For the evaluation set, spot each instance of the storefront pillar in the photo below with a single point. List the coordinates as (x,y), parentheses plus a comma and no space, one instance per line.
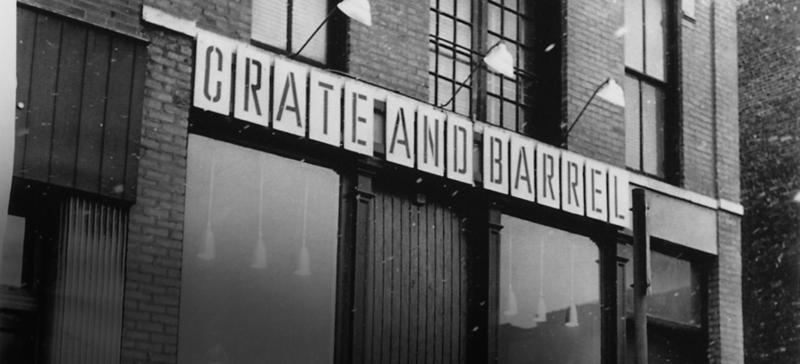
(362,197)
(8,62)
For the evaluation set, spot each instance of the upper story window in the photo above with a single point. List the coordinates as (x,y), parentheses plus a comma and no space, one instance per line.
(646,85)
(287,24)
(456,30)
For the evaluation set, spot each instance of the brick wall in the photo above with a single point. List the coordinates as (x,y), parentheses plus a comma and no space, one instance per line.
(769,105)
(153,269)
(119,15)
(594,53)
(393,53)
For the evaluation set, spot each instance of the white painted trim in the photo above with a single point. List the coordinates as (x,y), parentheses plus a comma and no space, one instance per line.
(158,17)
(686,195)
(732,207)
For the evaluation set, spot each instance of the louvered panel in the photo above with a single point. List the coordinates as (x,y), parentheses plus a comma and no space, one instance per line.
(87,303)
(415,309)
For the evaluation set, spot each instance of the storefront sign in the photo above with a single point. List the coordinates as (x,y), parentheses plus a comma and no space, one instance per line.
(331,109)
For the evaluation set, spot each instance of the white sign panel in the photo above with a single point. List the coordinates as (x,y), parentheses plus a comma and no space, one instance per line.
(400,131)
(289,97)
(325,108)
(251,95)
(459,149)
(548,175)
(522,168)
(359,118)
(495,159)
(212,75)
(572,192)
(430,140)
(596,190)
(619,198)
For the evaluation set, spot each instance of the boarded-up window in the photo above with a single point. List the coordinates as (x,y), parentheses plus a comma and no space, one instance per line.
(79,99)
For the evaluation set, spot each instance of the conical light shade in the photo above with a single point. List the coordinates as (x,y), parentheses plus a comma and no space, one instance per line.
(260,255)
(612,93)
(572,316)
(541,311)
(303,263)
(500,60)
(357,10)
(511,309)
(209,247)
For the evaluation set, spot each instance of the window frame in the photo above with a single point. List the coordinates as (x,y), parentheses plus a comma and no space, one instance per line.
(478,86)
(700,261)
(601,234)
(671,86)
(334,26)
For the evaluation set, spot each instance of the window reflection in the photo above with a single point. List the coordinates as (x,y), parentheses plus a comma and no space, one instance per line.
(259,258)
(549,295)
(675,291)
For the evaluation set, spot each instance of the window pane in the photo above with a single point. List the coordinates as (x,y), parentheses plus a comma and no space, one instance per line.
(432,89)
(652,130)
(445,62)
(445,92)
(447,7)
(675,289)
(510,25)
(431,58)
(509,115)
(511,4)
(462,101)
(462,69)
(509,89)
(432,22)
(654,42)
(11,252)
(269,22)
(633,36)
(259,258)
(493,83)
(464,35)
(549,295)
(464,10)
(446,30)
(494,19)
(492,110)
(632,123)
(303,25)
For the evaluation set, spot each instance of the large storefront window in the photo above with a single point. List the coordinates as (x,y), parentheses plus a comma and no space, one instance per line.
(259,258)
(549,295)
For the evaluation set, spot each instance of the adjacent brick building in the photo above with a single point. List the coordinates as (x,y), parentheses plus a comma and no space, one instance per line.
(769,109)
(191,188)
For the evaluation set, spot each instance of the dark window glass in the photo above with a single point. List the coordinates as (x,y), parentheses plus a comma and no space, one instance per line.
(675,291)
(259,258)
(549,295)
(451,45)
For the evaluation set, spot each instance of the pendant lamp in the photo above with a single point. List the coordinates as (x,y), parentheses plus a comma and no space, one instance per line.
(209,251)
(303,259)
(541,307)
(511,308)
(260,252)
(572,312)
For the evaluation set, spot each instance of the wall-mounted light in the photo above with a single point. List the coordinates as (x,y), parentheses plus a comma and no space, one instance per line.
(610,91)
(498,59)
(358,10)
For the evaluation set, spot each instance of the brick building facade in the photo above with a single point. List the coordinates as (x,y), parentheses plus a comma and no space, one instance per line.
(426,266)
(768,110)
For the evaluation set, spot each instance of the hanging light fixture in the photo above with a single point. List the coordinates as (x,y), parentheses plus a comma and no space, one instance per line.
(209,251)
(572,312)
(498,59)
(358,10)
(511,308)
(303,260)
(541,308)
(260,253)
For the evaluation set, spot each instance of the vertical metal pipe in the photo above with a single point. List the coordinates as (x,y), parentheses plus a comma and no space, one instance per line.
(641,249)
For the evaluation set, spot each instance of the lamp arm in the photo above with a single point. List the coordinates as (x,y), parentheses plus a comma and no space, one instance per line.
(313,34)
(587,105)
(460,86)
